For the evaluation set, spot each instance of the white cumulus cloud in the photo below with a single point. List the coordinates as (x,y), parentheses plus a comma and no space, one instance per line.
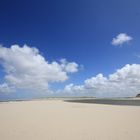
(4,88)
(69,66)
(121,39)
(26,68)
(124,82)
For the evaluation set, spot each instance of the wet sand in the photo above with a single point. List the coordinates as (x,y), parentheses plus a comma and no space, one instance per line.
(59,120)
(127,101)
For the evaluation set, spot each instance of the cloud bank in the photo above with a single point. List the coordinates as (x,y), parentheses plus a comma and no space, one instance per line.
(25,68)
(124,82)
(120,39)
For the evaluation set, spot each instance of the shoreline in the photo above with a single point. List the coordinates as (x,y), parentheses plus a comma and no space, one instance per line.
(127,101)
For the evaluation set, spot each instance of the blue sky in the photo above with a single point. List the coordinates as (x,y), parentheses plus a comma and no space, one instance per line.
(80,31)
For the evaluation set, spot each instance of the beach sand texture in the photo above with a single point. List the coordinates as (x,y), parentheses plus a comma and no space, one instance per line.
(59,120)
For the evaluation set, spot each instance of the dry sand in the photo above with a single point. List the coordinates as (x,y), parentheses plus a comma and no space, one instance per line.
(58,120)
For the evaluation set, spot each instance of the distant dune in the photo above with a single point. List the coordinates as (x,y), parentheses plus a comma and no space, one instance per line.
(138,95)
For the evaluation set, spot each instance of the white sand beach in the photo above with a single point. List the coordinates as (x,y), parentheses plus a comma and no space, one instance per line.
(59,120)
